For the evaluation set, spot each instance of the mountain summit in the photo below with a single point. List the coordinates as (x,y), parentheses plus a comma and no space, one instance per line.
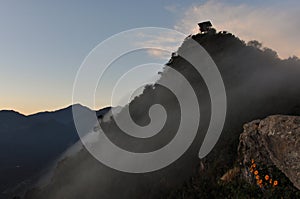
(258,83)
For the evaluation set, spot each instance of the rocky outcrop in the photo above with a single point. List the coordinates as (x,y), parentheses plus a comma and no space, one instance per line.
(272,141)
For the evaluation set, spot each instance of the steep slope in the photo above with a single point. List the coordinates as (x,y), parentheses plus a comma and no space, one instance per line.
(258,84)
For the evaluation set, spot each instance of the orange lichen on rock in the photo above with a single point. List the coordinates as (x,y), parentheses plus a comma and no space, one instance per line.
(267,177)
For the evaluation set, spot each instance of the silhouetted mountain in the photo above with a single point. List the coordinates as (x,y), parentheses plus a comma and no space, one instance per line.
(63,115)
(102,112)
(29,144)
(10,119)
(258,84)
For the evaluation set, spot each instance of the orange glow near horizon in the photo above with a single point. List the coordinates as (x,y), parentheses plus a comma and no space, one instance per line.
(29,107)
(32,110)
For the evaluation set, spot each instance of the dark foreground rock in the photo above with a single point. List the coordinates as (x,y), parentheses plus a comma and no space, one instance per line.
(267,164)
(272,141)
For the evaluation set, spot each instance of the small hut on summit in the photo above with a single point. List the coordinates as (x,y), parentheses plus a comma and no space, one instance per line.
(205,26)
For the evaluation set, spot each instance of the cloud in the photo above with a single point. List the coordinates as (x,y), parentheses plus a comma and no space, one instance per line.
(159,54)
(160,44)
(276,26)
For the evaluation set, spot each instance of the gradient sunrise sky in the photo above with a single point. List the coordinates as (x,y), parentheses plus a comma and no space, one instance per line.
(44,43)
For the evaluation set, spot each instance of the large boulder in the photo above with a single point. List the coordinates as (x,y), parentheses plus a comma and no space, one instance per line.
(272,141)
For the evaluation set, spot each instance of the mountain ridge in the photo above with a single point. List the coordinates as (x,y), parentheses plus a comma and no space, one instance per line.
(39,139)
(47,111)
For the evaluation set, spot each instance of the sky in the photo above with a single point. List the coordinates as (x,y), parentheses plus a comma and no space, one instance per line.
(43,43)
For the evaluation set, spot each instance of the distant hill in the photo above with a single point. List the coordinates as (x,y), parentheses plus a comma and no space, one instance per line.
(28,144)
(10,119)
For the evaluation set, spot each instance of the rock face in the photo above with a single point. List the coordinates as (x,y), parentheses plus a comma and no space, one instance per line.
(273,141)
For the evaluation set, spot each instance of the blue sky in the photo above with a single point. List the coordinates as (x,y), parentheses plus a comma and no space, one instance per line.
(42,44)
